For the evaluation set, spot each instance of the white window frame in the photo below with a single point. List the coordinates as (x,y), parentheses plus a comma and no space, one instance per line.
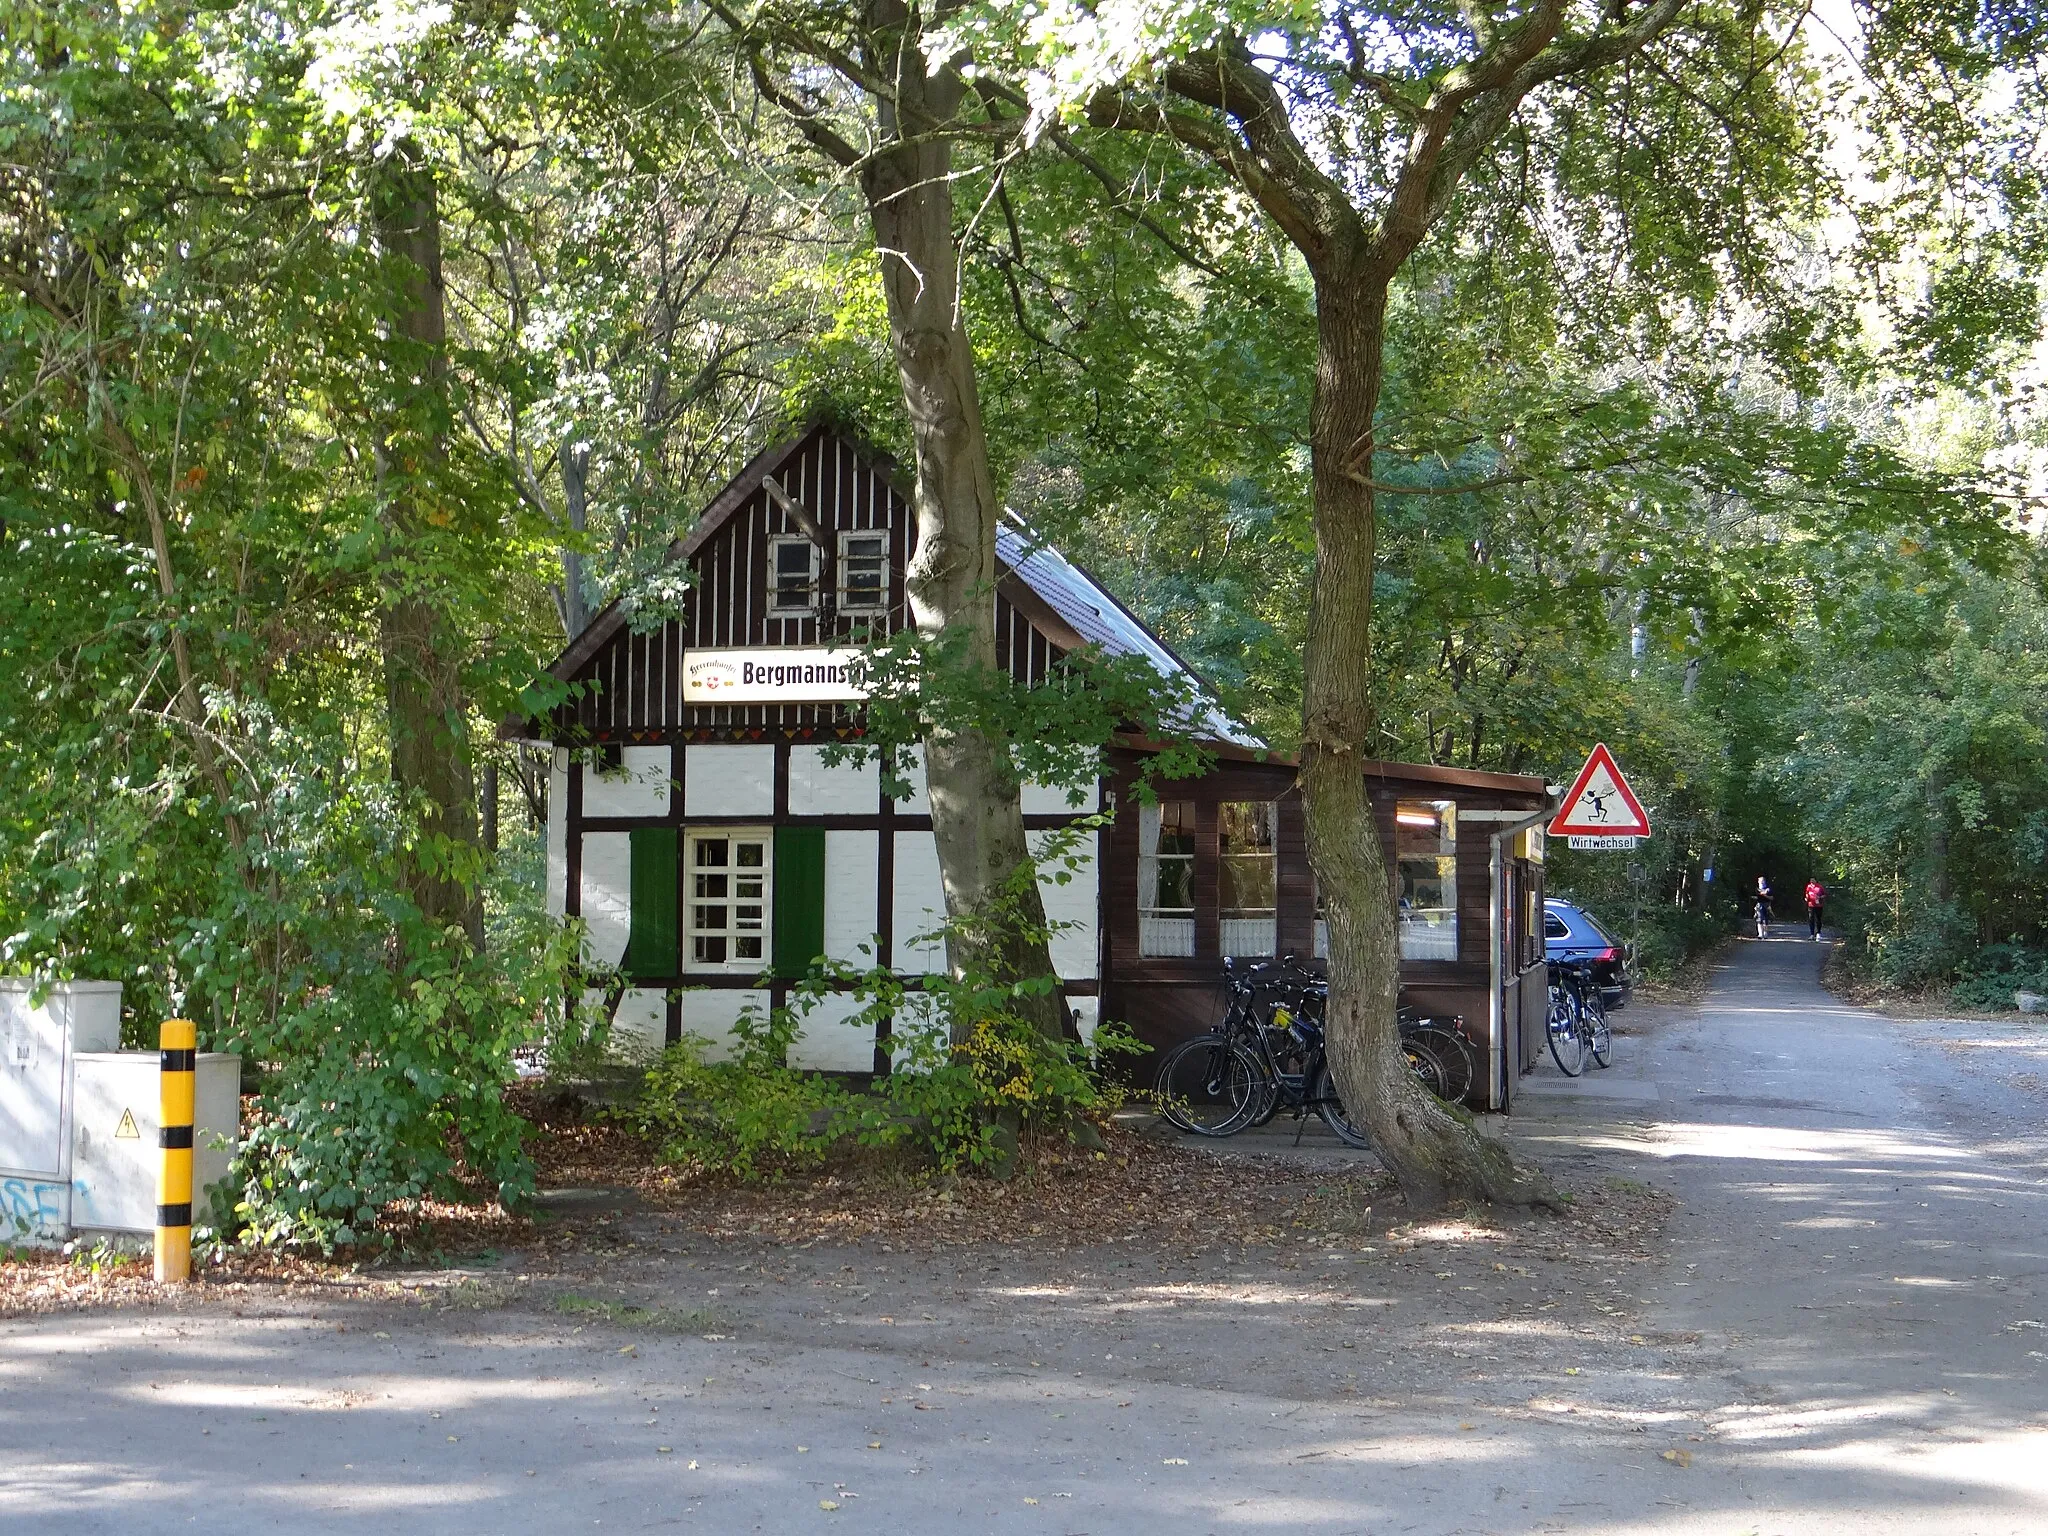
(735,926)
(847,603)
(1163,932)
(776,608)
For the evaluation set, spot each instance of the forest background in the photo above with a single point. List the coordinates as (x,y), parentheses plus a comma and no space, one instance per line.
(1742,477)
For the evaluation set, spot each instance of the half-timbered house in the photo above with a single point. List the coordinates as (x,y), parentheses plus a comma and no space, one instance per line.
(713,853)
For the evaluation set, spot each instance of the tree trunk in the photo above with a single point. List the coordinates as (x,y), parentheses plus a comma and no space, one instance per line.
(977,815)
(424,701)
(575,497)
(1433,1151)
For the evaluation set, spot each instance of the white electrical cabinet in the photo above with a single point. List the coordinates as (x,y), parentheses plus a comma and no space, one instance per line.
(39,1038)
(114,1157)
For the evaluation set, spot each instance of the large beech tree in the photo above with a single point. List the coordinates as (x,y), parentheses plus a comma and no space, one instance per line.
(1359,131)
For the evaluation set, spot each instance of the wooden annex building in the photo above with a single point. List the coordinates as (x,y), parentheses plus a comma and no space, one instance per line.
(712,853)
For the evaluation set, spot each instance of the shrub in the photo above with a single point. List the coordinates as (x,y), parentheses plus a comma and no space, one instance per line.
(968,1069)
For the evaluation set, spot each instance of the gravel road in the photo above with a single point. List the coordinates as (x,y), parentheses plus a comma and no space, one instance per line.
(1842,1331)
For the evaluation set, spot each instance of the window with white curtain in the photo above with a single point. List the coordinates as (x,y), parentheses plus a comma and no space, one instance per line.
(1248,852)
(1166,878)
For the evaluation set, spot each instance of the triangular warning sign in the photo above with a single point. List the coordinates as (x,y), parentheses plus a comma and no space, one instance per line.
(1600,803)
(126,1131)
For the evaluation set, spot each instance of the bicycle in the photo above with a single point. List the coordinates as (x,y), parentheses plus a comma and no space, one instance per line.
(1577,1019)
(1258,1061)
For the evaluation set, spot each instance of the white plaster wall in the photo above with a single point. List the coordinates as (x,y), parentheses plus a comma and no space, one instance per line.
(910,765)
(640,1027)
(1087,1013)
(607,895)
(710,1014)
(919,903)
(1046,800)
(724,780)
(640,787)
(558,834)
(830,1040)
(851,862)
(818,789)
(1074,949)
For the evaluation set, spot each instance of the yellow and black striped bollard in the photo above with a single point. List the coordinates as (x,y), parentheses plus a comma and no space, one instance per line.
(176,1096)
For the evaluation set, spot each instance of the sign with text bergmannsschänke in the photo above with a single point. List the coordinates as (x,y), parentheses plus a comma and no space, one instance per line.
(779,674)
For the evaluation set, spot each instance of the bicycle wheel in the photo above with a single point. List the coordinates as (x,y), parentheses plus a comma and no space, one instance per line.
(1426,1064)
(1461,1067)
(1600,1039)
(1567,1043)
(1323,1095)
(1211,1086)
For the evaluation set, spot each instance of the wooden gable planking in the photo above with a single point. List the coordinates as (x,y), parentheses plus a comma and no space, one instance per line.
(633,683)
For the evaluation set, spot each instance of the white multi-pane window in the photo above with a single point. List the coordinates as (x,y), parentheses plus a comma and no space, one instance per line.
(1426,859)
(1248,851)
(1166,878)
(792,575)
(728,906)
(864,571)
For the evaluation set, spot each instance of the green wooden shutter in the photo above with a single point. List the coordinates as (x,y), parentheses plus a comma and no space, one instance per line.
(799,899)
(651,951)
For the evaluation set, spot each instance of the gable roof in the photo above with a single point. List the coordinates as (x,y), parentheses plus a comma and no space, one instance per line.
(1063,601)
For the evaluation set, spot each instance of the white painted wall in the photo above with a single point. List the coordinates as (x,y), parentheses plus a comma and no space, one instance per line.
(558,834)
(829,1040)
(1074,949)
(728,780)
(640,1027)
(910,765)
(851,861)
(1045,800)
(640,787)
(607,895)
(711,1013)
(919,904)
(816,789)
(1087,1013)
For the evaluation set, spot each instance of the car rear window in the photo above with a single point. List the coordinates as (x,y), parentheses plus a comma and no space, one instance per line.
(1554,928)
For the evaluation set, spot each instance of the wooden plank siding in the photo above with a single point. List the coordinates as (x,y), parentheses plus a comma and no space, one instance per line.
(631,689)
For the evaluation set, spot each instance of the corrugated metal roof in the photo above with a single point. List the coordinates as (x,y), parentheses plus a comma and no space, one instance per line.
(1099,618)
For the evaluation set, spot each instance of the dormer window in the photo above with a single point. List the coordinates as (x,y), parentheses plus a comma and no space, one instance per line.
(864,571)
(792,575)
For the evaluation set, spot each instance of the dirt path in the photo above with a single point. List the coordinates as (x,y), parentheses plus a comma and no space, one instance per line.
(1814,1350)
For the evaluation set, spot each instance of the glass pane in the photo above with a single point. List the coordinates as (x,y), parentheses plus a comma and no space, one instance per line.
(1248,826)
(793,573)
(711,851)
(711,887)
(753,856)
(746,948)
(708,951)
(707,917)
(1247,838)
(1166,878)
(1426,853)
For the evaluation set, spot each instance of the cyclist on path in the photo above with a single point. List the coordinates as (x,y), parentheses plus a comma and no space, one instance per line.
(1816,898)
(1763,906)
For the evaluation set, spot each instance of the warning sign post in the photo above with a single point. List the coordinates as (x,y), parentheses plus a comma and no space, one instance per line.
(1600,810)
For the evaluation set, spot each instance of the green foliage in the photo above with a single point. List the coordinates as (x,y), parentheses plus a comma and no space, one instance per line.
(966,1064)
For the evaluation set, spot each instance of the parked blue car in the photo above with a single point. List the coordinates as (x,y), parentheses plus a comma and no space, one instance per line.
(1570,933)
